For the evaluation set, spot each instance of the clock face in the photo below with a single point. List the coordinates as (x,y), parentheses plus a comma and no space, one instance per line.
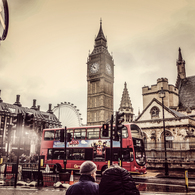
(108,68)
(4,19)
(94,68)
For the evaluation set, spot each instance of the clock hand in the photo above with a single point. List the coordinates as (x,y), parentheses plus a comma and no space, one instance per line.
(1,19)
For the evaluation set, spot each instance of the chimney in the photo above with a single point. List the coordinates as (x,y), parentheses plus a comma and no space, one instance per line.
(50,110)
(34,104)
(17,103)
(38,107)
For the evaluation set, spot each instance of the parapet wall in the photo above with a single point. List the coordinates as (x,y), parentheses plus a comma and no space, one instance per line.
(171,93)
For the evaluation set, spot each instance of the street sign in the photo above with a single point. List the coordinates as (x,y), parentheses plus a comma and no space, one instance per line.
(169,138)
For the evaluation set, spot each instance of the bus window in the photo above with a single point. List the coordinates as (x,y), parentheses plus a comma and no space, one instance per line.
(70,131)
(127,154)
(135,131)
(89,154)
(93,133)
(124,132)
(131,155)
(79,133)
(78,154)
(57,135)
(49,154)
(58,154)
(115,154)
(49,135)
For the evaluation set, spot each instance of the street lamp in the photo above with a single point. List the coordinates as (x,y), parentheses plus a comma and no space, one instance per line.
(162,95)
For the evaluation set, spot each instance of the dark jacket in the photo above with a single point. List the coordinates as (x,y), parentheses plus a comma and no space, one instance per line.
(85,186)
(117,181)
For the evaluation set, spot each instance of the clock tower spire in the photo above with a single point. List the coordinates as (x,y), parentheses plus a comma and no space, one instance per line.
(100,80)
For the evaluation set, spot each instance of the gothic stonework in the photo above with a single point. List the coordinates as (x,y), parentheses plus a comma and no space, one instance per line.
(126,106)
(179,114)
(100,79)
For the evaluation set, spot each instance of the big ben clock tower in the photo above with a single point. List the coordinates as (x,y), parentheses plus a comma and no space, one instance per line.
(100,79)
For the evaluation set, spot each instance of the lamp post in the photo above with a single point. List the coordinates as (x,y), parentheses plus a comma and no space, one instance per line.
(162,95)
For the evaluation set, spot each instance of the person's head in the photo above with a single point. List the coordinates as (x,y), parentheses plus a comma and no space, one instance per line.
(117,180)
(88,168)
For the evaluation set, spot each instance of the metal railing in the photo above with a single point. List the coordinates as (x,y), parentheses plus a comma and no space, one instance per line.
(29,174)
(170,145)
(184,151)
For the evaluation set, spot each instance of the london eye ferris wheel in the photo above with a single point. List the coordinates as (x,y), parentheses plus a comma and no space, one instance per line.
(68,114)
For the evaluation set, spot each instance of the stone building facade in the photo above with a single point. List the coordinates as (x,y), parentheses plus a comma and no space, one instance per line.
(30,138)
(179,118)
(100,80)
(171,93)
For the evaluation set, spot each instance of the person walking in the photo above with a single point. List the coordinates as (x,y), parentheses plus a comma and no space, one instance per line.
(86,184)
(117,180)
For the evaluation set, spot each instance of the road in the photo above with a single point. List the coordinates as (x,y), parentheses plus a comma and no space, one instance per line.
(149,184)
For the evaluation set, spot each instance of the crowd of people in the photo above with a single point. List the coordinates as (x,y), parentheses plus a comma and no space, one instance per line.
(115,181)
(29,159)
(23,158)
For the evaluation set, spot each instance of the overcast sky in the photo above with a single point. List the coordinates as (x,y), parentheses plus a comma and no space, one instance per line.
(45,53)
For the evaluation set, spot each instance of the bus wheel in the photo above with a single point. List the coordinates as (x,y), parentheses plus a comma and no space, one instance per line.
(57,168)
(103,169)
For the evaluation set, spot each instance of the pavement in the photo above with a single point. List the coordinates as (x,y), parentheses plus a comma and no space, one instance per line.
(146,187)
(172,174)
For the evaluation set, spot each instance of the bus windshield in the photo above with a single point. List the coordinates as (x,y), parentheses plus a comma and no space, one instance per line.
(135,131)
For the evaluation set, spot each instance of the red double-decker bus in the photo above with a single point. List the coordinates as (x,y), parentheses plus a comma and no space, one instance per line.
(88,143)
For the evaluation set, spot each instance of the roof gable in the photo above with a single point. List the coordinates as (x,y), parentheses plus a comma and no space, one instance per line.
(168,113)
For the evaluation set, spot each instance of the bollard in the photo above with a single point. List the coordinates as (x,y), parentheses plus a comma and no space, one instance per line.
(1,161)
(108,163)
(119,162)
(186,179)
(41,164)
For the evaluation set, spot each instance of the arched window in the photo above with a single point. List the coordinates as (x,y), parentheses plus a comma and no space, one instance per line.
(154,112)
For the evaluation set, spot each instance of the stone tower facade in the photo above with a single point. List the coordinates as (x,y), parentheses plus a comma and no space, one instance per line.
(171,93)
(100,80)
(126,106)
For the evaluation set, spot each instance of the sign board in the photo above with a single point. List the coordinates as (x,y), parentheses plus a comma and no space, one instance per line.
(169,138)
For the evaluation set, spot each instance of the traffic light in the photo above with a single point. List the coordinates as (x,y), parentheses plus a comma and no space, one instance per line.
(29,120)
(17,121)
(62,135)
(105,129)
(14,121)
(119,120)
(118,126)
(69,137)
(116,136)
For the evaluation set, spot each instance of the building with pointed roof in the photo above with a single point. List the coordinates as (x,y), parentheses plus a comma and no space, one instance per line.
(126,106)
(186,88)
(100,81)
(179,115)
